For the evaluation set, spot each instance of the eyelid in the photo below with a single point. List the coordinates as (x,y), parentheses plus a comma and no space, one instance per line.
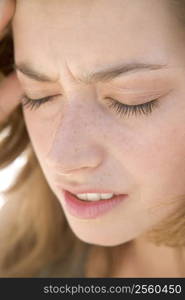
(136,98)
(139,85)
(159,80)
(139,91)
(40,98)
(130,91)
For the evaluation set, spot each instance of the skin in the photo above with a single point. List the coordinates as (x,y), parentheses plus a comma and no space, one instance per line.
(7,8)
(81,142)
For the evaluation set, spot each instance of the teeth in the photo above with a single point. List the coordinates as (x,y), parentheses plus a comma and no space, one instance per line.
(93,196)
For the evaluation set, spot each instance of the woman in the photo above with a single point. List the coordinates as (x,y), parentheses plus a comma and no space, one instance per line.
(101,119)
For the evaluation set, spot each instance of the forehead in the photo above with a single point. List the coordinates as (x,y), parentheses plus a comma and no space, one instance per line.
(91,32)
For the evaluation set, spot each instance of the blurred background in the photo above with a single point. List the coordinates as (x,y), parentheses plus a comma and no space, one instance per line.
(8,174)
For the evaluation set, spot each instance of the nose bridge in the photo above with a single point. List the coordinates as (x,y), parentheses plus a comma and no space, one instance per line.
(79,113)
(74,144)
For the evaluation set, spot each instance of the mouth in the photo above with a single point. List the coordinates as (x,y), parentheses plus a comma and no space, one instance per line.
(90,209)
(82,190)
(94,196)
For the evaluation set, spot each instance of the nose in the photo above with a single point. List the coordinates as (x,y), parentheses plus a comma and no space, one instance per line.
(76,145)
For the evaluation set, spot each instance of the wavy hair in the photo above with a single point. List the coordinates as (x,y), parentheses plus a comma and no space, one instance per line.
(35,238)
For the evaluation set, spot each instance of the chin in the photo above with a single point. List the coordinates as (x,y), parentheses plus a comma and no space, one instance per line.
(102,241)
(99,239)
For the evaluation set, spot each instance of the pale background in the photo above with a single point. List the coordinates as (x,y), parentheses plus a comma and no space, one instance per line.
(7,174)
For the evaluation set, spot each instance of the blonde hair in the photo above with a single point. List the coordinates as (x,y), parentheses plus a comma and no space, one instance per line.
(35,238)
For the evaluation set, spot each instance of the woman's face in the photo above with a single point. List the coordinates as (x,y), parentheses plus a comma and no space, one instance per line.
(84,141)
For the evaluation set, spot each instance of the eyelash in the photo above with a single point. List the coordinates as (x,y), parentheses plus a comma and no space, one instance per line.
(120,108)
(139,109)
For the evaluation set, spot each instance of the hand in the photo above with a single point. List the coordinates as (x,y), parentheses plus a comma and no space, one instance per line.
(10,89)
(7,9)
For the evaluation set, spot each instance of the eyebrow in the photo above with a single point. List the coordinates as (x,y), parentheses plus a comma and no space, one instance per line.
(93,77)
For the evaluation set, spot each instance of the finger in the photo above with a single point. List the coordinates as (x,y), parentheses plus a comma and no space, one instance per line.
(7,9)
(10,95)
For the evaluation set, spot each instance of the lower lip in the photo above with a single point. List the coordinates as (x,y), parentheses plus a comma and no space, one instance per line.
(90,210)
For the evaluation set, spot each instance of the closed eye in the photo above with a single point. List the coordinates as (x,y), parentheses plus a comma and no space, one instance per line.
(120,108)
(35,103)
(139,109)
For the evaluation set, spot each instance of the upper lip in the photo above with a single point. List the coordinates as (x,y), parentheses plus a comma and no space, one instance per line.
(90,190)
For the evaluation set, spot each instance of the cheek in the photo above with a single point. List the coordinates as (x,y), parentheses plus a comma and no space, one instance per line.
(41,132)
(157,159)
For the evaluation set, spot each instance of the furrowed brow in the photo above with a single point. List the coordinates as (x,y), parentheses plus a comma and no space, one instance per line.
(106,74)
